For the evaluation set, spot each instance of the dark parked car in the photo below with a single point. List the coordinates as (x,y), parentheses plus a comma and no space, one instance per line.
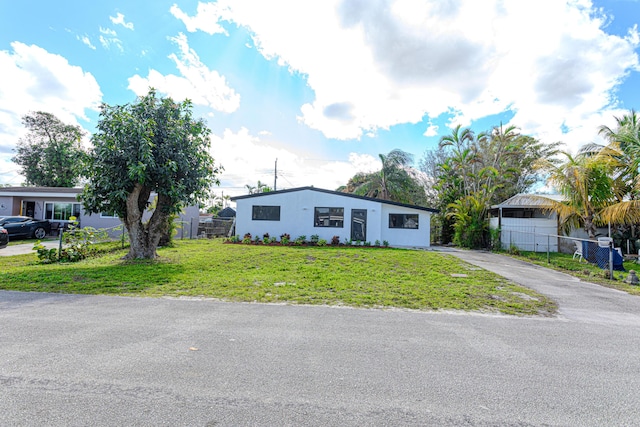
(4,237)
(25,226)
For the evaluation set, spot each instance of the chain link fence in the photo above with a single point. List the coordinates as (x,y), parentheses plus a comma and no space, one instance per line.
(602,251)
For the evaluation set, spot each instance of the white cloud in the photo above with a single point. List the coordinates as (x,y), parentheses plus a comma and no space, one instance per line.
(196,82)
(108,37)
(206,18)
(36,80)
(374,64)
(248,158)
(363,163)
(119,20)
(432,130)
(108,32)
(87,41)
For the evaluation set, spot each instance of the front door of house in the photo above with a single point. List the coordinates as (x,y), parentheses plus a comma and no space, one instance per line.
(359,225)
(28,208)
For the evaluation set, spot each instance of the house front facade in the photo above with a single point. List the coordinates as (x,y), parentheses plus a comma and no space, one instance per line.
(308,211)
(58,205)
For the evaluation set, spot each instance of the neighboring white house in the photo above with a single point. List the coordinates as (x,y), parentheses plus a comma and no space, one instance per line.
(308,211)
(57,204)
(524,224)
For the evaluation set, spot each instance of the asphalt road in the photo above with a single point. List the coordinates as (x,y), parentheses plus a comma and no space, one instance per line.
(69,360)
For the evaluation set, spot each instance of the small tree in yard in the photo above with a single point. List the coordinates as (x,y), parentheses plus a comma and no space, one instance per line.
(151,146)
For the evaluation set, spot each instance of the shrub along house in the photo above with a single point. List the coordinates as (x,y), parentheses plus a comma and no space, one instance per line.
(308,211)
(58,204)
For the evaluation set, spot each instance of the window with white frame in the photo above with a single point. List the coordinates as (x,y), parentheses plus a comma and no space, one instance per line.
(328,217)
(61,211)
(403,221)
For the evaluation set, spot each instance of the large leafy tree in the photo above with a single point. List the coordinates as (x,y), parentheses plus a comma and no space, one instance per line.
(153,145)
(51,154)
(395,181)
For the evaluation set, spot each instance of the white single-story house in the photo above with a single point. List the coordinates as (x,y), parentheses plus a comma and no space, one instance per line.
(308,211)
(58,204)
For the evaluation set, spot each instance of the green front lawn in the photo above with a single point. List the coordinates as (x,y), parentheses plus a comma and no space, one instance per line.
(359,277)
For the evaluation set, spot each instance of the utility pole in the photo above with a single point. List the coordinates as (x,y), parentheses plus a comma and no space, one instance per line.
(275,176)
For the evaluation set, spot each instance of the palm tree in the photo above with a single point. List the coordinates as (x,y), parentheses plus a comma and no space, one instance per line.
(469,215)
(587,186)
(392,182)
(261,187)
(626,135)
(624,150)
(463,150)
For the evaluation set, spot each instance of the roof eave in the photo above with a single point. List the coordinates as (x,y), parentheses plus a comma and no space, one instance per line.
(337,193)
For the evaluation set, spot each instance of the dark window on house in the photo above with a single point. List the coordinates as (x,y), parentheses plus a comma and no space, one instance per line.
(265,213)
(517,213)
(328,217)
(403,221)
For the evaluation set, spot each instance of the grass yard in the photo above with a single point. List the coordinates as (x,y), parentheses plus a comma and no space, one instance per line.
(583,270)
(358,277)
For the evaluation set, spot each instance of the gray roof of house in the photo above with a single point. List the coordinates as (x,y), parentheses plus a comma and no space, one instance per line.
(529,201)
(41,190)
(60,192)
(336,193)
(227,213)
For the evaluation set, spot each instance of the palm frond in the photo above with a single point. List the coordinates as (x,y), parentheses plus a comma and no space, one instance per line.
(626,212)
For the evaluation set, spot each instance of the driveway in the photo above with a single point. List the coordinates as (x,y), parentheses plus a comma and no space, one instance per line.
(26,247)
(97,360)
(577,300)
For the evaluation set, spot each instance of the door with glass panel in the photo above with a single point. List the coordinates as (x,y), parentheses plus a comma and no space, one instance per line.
(359,225)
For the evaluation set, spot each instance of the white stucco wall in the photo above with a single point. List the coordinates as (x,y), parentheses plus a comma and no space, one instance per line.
(6,206)
(297,210)
(528,234)
(406,237)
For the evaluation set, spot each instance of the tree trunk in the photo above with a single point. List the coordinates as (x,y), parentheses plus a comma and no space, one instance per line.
(144,237)
(590,227)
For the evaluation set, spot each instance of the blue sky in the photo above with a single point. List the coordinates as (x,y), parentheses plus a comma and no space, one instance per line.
(324,86)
